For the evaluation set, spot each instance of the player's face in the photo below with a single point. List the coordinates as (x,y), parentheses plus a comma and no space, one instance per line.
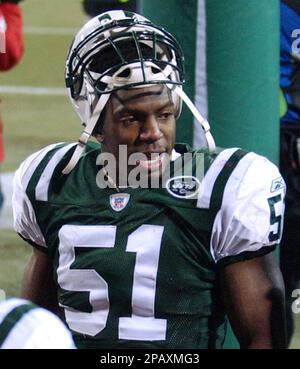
(142,119)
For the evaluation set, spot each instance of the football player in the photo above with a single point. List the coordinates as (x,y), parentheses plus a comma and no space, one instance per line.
(24,325)
(138,267)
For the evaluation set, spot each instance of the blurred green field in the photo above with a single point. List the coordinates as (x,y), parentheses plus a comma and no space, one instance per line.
(54,13)
(33,121)
(14,255)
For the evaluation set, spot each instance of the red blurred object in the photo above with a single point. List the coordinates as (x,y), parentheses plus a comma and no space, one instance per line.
(11,16)
(14,42)
(1,140)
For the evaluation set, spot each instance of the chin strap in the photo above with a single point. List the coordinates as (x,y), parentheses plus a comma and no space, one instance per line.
(86,134)
(203,122)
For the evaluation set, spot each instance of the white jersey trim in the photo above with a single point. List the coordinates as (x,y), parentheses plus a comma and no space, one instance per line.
(210,177)
(29,166)
(23,213)
(41,190)
(243,222)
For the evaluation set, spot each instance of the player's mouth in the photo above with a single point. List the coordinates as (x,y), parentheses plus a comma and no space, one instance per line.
(153,161)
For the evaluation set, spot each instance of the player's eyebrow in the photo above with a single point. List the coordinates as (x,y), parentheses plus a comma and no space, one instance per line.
(123,109)
(137,96)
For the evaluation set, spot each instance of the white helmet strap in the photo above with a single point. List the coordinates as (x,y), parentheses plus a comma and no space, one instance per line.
(86,134)
(203,122)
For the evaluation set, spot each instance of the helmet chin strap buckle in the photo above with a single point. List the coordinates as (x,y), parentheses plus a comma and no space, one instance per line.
(83,139)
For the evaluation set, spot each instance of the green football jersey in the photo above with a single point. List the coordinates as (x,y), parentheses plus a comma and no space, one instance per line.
(138,268)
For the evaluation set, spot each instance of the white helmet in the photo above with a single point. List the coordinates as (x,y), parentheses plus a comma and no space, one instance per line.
(120,49)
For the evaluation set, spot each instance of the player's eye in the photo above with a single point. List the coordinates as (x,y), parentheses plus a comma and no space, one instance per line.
(129,120)
(165,115)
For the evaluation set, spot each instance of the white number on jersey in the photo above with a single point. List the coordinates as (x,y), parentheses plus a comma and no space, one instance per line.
(145,241)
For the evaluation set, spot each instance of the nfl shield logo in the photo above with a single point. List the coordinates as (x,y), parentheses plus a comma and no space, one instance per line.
(118,201)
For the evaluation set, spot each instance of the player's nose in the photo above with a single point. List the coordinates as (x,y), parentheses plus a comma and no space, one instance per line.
(150,130)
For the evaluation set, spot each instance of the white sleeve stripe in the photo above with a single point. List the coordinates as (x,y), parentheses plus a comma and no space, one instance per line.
(232,184)
(210,177)
(23,213)
(243,222)
(41,190)
(24,217)
(29,166)
(239,172)
(10,305)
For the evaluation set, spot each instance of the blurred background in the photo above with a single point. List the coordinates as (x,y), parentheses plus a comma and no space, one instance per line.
(36,110)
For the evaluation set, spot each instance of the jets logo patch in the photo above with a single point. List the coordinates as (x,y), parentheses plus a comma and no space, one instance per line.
(119,201)
(277,184)
(183,187)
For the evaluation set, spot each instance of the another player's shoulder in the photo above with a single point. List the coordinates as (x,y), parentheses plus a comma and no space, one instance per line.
(25,325)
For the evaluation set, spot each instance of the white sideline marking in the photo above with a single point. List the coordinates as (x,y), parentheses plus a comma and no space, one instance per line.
(29,90)
(6,217)
(45,31)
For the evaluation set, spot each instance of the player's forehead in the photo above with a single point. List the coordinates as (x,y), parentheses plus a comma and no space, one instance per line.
(156,95)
